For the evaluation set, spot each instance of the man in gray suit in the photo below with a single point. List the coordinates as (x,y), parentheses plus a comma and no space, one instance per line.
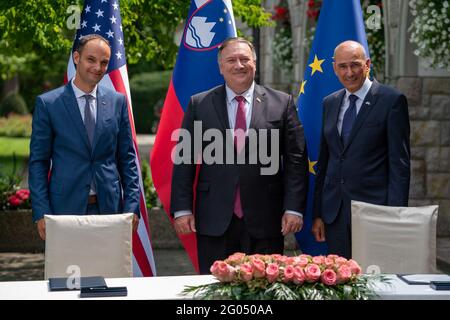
(364,152)
(237,208)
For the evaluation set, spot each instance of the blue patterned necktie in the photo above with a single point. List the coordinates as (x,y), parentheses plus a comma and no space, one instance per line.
(349,119)
(89,120)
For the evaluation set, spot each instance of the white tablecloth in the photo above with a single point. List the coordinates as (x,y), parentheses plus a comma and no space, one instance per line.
(168,288)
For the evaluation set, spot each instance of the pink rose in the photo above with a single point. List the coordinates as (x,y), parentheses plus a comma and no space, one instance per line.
(275,257)
(272,272)
(257,256)
(14,201)
(299,275)
(302,261)
(332,256)
(354,267)
(288,273)
(259,268)
(222,271)
(312,272)
(329,277)
(329,262)
(344,273)
(281,259)
(291,260)
(246,272)
(23,194)
(340,261)
(235,258)
(318,259)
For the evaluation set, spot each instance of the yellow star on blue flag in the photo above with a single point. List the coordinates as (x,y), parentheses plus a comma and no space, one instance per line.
(338,21)
(316,65)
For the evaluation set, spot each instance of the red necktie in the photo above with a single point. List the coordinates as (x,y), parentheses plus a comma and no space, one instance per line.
(239,141)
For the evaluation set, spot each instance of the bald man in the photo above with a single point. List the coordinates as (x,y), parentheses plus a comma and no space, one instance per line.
(364,152)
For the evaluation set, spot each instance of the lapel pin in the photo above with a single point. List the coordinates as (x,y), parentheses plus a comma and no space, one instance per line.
(258,99)
(368,103)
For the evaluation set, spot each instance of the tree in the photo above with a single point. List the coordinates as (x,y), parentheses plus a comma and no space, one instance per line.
(34,34)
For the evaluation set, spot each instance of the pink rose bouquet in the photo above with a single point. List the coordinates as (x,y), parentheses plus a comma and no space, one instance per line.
(242,276)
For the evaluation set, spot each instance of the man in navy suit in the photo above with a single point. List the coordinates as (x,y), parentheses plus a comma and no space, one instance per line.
(364,151)
(82,159)
(237,207)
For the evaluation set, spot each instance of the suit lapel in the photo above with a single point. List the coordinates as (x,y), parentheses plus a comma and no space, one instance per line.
(71,105)
(101,116)
(258,106)
(334,115)
(220,105)
(366,107)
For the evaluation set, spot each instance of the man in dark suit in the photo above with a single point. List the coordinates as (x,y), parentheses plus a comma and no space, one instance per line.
(364,151)
(239,208)
(81,134)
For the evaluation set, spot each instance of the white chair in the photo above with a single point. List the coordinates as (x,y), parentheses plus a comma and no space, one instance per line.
(99,245)
(395,240)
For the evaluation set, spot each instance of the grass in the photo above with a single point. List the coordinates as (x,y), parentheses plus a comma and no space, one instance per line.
(10,146)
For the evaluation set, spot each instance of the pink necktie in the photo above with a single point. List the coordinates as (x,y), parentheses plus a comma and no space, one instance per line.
(239,141)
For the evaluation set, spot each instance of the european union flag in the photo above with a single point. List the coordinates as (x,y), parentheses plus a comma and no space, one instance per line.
(338,21)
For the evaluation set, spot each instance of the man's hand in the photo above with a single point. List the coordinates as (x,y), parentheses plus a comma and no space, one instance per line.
(185,224)
(135,222)
(318,230)
(291,223)
(41,228)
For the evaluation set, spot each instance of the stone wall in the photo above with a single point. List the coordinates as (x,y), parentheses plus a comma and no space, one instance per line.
(429,109)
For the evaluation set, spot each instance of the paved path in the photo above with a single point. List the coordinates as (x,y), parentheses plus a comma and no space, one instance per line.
(30,266)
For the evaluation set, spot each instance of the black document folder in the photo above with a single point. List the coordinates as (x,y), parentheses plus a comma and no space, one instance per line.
(64,284)
(103,292)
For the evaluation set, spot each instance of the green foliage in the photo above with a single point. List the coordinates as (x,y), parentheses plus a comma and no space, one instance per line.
(375,39)
(16,126)
(13,103)
(31,31)
(148,91)
(361,288)
(11,197)
(8,184)
(251,13)
(430,30)
(13,153)
(151,198)
(34,32)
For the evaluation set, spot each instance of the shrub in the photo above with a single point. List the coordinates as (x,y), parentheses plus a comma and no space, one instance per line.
(151,197)
(13,103)
(16,126)
(148,91)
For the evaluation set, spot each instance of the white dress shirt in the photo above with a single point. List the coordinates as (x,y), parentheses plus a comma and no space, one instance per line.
(361,94)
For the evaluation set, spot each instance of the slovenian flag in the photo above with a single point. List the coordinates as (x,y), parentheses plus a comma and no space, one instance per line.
(196,70)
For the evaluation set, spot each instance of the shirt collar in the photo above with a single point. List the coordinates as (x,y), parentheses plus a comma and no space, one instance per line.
(248,95)
(79,93)
(362,92)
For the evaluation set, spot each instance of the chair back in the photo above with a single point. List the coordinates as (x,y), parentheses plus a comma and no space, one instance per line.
(395,240)
(95,245)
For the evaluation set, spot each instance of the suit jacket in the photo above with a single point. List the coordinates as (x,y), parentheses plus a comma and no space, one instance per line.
(374,167)
(263,197)
(59,144)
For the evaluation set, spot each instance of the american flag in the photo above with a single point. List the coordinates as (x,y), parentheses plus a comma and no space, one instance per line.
(103,17)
